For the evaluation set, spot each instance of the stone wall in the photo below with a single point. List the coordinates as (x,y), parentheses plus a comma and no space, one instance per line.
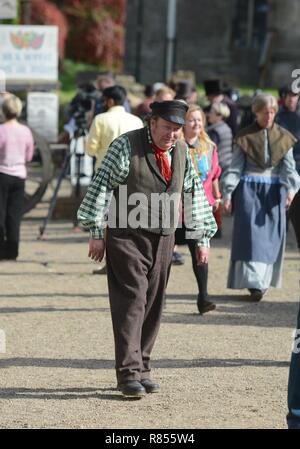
(146,39)
(203,37)
(204,42)
(284,20)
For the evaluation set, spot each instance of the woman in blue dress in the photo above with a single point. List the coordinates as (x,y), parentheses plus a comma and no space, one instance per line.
(264,180)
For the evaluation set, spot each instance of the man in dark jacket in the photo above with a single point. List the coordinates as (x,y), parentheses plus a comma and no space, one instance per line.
(293,418)
(288,117)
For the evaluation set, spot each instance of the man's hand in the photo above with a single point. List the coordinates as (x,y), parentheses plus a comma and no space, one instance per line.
(227,206)
(289,200)
(202,255)
(96,249)
(216,206)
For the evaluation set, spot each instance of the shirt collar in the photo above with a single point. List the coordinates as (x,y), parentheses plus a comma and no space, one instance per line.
(117,108)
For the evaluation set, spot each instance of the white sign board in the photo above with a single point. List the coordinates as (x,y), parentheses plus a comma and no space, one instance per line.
(42,114)
(29,53)
(8,9)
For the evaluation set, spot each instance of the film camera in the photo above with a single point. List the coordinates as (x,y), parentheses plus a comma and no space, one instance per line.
(80,105)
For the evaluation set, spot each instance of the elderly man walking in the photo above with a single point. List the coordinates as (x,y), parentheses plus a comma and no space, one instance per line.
(139,166)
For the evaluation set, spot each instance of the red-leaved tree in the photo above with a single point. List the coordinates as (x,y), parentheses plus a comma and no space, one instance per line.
(96,31)
(43,12)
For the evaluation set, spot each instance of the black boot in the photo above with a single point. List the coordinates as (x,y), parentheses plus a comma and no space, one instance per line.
(256,294)
(205,306)
(132,389)
(12,250)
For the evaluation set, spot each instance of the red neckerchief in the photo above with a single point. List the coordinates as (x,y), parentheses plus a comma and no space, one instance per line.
(163,163)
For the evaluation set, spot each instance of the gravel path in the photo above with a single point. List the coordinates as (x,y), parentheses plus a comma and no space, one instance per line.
(226,369)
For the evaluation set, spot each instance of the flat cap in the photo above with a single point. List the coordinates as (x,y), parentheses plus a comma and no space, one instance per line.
(172,110)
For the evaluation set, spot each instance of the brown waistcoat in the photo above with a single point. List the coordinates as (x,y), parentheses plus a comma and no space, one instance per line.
(145,178)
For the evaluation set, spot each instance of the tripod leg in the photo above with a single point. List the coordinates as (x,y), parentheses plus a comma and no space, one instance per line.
(54,196)
(77,190)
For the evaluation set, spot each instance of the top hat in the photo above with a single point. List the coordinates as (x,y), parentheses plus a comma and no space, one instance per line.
(184,89)
(172,110)
(212,87)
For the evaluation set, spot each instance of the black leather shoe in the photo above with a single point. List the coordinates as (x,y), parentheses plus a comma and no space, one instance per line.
(205,306)
(256,294)
(132,389)
(150,386)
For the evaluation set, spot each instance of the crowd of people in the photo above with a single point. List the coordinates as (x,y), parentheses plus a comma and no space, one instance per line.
(185,149)
(225,161)
(212,162)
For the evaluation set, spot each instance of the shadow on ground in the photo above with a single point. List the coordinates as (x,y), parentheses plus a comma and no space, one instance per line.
(97,364)
(59,394)
(235,310)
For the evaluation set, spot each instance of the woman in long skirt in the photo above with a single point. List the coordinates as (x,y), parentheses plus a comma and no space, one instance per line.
(264,180)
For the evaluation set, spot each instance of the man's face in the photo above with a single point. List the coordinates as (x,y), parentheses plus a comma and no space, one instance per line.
(164,133)
(291,101)
(108,102)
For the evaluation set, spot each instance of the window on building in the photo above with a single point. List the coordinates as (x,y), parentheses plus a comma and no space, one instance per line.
(249,23)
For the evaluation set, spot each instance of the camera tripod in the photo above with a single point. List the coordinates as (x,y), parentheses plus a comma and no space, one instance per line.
(65,166)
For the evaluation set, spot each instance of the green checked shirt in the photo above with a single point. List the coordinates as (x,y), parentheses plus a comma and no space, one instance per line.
(114,171)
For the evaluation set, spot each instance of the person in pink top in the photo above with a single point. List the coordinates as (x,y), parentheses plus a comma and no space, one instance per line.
(205,158)
(16,149)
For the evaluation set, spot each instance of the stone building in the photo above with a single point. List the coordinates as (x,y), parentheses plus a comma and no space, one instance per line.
(245,42)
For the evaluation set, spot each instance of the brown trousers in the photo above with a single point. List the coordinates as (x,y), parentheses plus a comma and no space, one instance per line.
(138,266)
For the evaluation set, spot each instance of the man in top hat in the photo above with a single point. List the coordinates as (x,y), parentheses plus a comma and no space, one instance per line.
(139,167)
(214,92)
(186,91)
